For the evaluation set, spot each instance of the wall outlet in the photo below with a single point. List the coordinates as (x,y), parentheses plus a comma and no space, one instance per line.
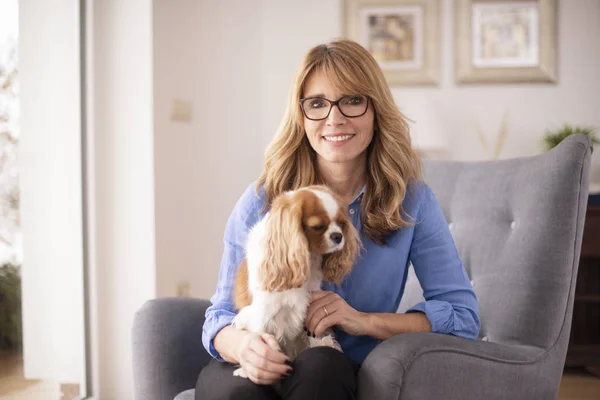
(183,289)
(181,110)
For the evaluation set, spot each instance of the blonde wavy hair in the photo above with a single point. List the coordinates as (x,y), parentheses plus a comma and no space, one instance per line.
(392,164)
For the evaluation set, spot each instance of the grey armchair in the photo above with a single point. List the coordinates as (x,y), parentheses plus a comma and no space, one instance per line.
(518,226)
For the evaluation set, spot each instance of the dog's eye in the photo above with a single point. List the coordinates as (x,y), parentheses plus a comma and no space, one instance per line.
(341,224)
(318,227)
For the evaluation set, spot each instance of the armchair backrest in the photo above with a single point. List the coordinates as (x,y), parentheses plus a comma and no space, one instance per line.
(518,225)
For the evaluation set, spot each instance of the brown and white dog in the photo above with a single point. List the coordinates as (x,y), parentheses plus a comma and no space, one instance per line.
(304,238)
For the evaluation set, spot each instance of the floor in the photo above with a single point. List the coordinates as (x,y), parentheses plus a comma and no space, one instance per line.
(13,386)
(577,384)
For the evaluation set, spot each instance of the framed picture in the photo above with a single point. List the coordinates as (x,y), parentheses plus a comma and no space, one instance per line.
(505,40)
(402,35)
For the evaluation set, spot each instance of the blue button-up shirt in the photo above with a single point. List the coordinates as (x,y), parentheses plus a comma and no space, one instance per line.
(377,281)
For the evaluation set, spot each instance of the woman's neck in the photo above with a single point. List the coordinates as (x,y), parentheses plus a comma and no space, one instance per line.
(345,179)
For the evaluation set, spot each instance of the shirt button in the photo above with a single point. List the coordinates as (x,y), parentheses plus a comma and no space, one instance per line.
(352,211)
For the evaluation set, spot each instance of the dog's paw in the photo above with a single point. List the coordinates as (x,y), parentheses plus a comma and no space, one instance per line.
(242,319)
(240,372)
(330,341)
(327,341)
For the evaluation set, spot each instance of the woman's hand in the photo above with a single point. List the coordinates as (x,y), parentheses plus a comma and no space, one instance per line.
(259,354)
(339,314)
(262,359)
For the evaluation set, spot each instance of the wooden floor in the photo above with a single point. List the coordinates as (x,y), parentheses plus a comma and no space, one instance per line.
(577,384)
(13,386)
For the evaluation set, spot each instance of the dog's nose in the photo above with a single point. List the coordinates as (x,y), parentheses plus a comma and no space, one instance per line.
(336,237)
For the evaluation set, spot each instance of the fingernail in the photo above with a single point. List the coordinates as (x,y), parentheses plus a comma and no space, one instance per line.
(288,362)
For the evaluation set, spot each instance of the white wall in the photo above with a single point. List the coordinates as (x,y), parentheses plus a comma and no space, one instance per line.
(216,46)
(50,184)
(121,162)
(234,61)
(532,108)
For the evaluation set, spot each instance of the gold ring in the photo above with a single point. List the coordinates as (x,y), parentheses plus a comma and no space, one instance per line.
(326,313)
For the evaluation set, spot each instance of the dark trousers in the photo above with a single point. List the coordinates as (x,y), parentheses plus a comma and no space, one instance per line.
(318,373)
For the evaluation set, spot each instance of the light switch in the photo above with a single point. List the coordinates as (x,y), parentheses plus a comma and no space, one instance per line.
(181,110)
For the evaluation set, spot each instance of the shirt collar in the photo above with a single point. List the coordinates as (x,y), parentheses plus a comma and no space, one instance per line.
(358,198)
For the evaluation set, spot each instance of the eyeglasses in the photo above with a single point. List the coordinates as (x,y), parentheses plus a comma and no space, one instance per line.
(318,108)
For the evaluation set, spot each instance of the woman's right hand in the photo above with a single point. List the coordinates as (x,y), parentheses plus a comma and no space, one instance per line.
(258,354)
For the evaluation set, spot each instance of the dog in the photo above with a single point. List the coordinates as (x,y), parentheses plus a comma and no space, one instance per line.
(304,238)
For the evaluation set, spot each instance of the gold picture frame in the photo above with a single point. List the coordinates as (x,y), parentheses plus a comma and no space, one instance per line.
(402,35)
(505,41)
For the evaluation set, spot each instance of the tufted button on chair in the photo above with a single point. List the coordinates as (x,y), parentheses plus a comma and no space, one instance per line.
(518,226)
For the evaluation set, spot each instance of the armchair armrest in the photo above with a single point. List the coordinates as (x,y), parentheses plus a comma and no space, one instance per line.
(419,366)
(167,347)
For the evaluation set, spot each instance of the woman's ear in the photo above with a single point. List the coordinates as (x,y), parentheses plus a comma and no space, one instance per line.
(286,262)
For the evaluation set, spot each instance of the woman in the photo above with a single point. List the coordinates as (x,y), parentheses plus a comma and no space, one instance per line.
(342,128)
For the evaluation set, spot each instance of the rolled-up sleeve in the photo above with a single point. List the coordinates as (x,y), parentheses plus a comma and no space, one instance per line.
(450,302)
(222,310)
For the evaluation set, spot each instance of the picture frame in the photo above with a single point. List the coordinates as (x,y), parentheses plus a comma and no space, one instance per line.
(505,41)
(402,35)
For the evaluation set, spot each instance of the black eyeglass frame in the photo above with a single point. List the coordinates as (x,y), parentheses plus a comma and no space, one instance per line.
(331,104)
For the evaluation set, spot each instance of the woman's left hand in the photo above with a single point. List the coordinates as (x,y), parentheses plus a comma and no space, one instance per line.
(328,309)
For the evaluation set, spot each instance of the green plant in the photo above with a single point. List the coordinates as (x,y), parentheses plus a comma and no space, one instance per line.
(10,307)
(554,137)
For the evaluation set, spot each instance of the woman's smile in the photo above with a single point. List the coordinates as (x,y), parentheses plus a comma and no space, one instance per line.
(338,138)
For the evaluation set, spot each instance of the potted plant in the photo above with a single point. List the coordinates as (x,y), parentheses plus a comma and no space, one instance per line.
(10,307)
(553,137)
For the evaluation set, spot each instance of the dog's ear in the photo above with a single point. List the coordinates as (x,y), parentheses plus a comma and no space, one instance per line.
(286,262)
(339,263)
(242,296)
